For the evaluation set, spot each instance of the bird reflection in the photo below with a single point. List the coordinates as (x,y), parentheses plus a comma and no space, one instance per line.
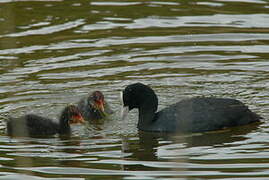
(148,144)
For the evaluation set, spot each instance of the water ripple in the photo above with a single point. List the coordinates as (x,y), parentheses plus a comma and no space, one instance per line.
(55,52)
(48,30)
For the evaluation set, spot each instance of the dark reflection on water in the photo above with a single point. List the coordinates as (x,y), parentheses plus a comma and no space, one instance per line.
(53,52)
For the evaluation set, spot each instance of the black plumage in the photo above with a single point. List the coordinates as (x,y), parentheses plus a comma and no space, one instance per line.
(35,125)
(198,114)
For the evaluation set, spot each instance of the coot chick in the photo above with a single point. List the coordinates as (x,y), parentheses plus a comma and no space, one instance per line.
(197,114)
(34,125)
(94,107)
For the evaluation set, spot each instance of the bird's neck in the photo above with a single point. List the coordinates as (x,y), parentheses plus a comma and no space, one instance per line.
(64,127)
(146,117)
(147,111)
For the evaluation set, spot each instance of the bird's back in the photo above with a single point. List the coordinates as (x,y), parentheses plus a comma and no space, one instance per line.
(31,125)
(201,114)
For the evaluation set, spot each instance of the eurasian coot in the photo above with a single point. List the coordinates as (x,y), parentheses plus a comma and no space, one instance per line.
(94,107)
(34,125)
(197,114)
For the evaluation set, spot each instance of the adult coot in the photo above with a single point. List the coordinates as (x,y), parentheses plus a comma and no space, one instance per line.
(198,114)
(94,107)
(34,125)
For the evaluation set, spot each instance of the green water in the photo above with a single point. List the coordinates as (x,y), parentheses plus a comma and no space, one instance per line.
(54,52)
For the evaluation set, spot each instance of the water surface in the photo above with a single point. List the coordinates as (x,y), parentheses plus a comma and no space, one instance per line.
(54,52)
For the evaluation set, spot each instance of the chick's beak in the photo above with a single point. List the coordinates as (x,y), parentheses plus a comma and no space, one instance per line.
(76,119)
(100,105)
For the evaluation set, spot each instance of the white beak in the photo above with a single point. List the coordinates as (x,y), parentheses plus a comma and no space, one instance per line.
(124,109)
(124,112)
(121,97)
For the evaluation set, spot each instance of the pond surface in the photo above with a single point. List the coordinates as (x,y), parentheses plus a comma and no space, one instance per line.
(54,52)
